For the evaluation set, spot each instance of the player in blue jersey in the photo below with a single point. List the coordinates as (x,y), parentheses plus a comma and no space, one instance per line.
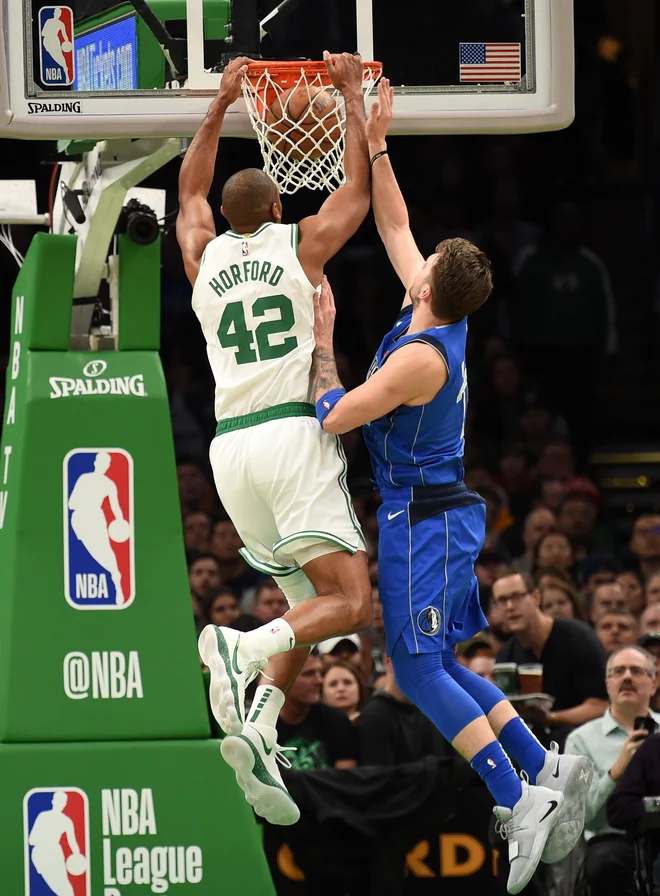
(413,408)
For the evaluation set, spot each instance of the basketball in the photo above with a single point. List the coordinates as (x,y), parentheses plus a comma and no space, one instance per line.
(66,46)
(119,531)
(308,120)
(76,864)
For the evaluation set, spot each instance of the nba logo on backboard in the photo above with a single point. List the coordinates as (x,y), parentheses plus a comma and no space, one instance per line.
(56,842)
(56,46)
(99,556)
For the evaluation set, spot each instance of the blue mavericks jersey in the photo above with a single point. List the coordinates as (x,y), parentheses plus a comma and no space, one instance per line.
(423,445)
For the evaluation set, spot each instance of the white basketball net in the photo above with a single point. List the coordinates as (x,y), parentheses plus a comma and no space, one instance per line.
(317,162)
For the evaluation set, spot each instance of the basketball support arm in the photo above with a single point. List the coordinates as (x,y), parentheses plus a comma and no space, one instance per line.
(99,182)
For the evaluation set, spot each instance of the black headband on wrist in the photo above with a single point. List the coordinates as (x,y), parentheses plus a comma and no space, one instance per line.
(383,152)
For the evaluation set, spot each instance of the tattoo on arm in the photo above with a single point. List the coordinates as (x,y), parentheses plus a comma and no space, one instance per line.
(324,372)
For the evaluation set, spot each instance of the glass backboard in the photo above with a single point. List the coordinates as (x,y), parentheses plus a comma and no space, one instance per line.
(98,68)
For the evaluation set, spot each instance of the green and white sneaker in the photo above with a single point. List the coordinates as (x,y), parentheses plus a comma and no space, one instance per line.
(571,775)
(232,670)
(254,755)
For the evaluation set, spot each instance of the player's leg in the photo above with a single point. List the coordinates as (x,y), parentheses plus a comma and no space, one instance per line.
(297,475)
(423,589)
(569,774)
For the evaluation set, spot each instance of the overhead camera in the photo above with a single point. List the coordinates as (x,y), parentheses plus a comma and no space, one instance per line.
(139,223)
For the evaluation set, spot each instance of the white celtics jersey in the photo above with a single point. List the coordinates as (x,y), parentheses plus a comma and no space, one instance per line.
(256,308)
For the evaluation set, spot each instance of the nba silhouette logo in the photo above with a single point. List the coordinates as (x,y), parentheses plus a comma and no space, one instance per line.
(99,556)
(56,842)
(56,46)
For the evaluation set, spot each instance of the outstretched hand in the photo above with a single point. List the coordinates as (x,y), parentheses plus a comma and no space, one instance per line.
(324,316)
(232,79)
(380,115)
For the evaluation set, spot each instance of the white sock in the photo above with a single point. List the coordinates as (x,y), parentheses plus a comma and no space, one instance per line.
(275,637)
(266,706)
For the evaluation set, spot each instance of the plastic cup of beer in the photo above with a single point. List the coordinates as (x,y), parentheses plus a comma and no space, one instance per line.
(506,677)
(531,678)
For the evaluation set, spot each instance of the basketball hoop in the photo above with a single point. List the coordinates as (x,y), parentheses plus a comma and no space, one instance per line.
(299,150)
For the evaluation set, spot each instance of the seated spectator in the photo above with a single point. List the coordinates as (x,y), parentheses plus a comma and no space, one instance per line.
(645,543)
(651,643)
(540,426)
(606,597)
(560,600)
(649,621)
(549,576)
(616,629)
(610,742)
(222,608)
(322,735)
(536,524)
(488,566)
(497,515)
(553,549)
(652,589)
(633,590)
(392,730)
(478,646)
(204,579)
(269,601)
(482,665)
(197,531)
(572,656)
(195,489)
(625,808)
(556,461)
(345,649)
(343,689)
(515,477)
(595,570)
(578,518)
(549,491)
(236,573)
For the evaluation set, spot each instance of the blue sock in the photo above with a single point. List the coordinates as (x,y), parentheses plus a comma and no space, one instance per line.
(519,742)
(495,770)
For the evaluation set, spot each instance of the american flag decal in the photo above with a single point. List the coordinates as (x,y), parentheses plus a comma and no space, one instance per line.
(489,62)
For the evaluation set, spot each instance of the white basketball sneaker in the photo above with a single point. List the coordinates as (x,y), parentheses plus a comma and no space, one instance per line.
(527,827)
(254,755)
(572,776)
(232,670)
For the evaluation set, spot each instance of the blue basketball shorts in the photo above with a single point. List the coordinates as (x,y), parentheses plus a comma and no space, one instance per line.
(429,540)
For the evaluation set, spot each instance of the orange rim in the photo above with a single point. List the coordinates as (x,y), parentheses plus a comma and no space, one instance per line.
(287,74)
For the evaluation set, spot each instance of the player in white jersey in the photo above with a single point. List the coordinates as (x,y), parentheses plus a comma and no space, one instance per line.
(281,479)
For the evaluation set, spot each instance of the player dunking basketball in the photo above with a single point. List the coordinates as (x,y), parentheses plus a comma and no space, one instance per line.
(413,408)
(279,477)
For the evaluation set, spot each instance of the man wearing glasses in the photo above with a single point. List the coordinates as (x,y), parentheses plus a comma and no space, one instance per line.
(611,742)
(573,658)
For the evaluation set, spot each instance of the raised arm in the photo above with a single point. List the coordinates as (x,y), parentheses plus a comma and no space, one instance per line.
(389,206)
(323,235)
(195,227)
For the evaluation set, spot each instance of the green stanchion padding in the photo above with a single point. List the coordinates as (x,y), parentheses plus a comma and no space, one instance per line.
(46,277)
(96,630)
(147,817)
(139,288)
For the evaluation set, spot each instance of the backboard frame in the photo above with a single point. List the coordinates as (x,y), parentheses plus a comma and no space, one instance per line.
(543,100)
